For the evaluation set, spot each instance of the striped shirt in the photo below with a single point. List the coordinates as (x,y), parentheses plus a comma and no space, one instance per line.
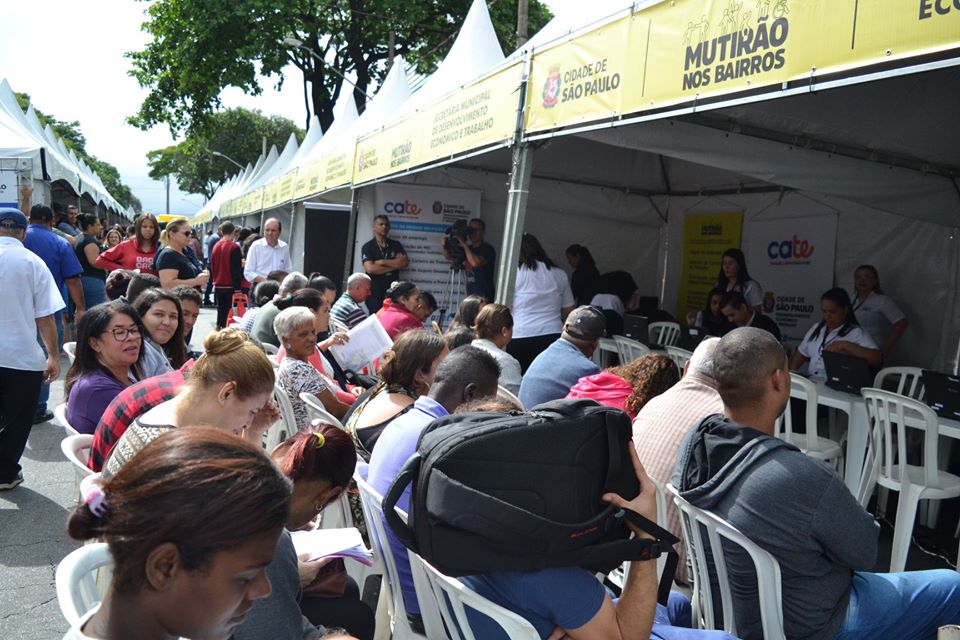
(658,430)
(348,311)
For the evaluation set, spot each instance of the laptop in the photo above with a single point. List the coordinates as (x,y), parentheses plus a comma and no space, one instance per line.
(690,337)
(942,393)
(638,328)
(847,373)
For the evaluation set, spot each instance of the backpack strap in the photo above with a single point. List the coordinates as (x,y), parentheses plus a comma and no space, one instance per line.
(663,544)
(401,529)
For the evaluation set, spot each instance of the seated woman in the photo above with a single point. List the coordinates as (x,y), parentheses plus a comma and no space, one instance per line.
(263,323)
(398,316)
(228,389)
(467,312)
(617,294)
(630,386)
(296,328)
(163,345)
(406,373)
(494,329)
(262,293)
(109,347)
(191,525)
(711,319)
(321,466)
(838,332)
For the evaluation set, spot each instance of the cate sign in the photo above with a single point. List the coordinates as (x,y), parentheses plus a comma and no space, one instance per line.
(795,249)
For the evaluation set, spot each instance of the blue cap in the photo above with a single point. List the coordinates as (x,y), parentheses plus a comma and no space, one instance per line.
(12,219)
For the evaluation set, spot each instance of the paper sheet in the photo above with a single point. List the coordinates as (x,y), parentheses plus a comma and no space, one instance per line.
(326,543)
(368,341)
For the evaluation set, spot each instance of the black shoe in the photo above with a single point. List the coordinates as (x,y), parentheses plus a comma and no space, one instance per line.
(46,416)
(5,486)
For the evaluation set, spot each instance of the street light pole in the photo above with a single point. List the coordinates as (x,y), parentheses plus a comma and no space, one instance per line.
(227,158)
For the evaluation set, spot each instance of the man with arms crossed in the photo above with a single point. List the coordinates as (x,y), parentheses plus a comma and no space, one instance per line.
(382,260)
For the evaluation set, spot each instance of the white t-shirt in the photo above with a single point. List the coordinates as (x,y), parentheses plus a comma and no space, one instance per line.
(75,632)
(877,314)
(537,300)
(29,292)
(751,291)
(609,301)
(812,347)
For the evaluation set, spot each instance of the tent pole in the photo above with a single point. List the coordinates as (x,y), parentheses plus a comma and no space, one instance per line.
(521,168)
(514,220)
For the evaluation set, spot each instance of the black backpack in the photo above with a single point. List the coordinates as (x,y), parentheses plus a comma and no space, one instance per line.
(521,492)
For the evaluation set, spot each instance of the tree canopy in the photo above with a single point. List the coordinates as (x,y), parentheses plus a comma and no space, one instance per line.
(237,133)
(74,140)
(201,47)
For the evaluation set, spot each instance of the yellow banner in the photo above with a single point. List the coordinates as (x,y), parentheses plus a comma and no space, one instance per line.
(475,116)
(271,193)
(687,50)
(337,167)
(705,238)
(308,180)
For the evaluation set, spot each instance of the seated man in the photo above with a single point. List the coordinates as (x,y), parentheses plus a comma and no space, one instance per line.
(734,306)
(662,423)
(569,602)
(799,510)
(349,308)
(468,373)
(558,368)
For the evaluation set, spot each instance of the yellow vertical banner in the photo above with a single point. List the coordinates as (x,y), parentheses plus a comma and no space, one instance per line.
(705,237)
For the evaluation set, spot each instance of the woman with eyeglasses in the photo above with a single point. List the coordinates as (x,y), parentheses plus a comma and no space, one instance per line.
(172,264)
(109,347)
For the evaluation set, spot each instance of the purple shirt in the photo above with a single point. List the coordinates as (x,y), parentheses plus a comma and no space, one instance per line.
(394,447)
(89,398)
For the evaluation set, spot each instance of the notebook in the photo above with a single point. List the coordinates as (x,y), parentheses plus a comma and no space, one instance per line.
(847,373)
(942,393)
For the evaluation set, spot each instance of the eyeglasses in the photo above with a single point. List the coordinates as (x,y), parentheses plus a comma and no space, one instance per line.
(120,334)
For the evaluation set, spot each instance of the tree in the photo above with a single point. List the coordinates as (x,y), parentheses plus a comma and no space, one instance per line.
(200,47)
(74,140)
(237,133)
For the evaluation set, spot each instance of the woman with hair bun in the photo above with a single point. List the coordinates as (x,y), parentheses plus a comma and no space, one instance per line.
(406,373)
(398,315)
(191,524)
(228,389)
(879,316)
(839,332)
(263,323)
(321,465)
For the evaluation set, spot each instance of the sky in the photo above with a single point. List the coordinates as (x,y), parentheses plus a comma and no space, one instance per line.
(69,56)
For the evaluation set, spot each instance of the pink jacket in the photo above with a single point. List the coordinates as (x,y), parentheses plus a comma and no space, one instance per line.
(396,319)
(605,388)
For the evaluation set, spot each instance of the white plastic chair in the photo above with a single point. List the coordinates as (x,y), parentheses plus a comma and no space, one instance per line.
(664,333)
(286,426)
(79,587)
(453,597)
(810,442)
(60,413)
(606,347)
(269,349)
(679,356)
(890,415)
(70,348)
(695,523)
(619,575)
(629,349)
(77,451)
(907,379)
(317,411)
(372,504)
(506,394)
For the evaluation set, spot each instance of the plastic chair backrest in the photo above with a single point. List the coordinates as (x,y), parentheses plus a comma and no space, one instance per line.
(619,575)
(317,411)
(76,578)
(506,394)
(629,350)
(607,345)
(70,348)
(696,522)
(286,426)
(453,597)
(77,451)
(664,333)
(888,414)
(372,503)
(60,413)
(270,349)
(908,381)
(802,389)
(680,356)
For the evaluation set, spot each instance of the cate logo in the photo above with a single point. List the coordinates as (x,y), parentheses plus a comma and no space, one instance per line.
(793,249)
(551,88)
(402,208)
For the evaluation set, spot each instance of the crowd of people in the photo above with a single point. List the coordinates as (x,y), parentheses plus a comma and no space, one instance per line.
(197,516)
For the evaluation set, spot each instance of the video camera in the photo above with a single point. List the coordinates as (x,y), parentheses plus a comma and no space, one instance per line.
(457,255)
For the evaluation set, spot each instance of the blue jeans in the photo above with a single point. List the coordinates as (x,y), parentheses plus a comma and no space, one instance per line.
(94,291)
(908,605)
(673,622)
(45,388)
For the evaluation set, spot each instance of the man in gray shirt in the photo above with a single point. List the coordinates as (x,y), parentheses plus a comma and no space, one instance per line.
(799,510)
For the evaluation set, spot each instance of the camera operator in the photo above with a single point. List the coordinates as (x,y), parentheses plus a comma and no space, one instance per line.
(466,248)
